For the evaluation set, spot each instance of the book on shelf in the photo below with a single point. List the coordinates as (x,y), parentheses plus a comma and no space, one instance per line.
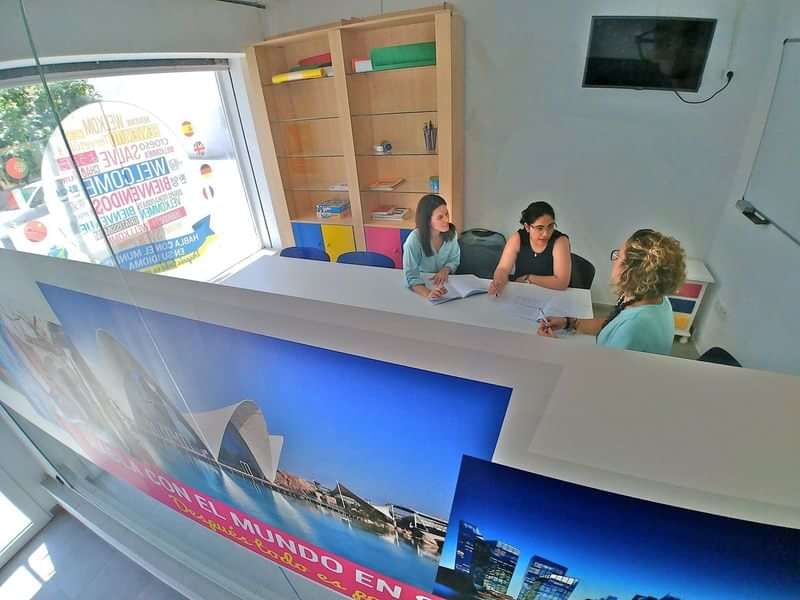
(298,75)
(316,60)
(362,65)
(389,213)
(338,187)
(331,208)
(385,185)
(459,286)
(327,70)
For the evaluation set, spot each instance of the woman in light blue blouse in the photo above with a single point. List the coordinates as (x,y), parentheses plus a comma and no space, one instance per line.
(431,249)
(645,270)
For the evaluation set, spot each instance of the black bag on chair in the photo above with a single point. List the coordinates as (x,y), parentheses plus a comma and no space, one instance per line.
(480,252)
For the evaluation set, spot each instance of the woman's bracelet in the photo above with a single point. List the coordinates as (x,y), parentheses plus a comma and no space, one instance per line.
(572,324)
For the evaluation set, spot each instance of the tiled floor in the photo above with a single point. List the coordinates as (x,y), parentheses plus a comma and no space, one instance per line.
(66,561)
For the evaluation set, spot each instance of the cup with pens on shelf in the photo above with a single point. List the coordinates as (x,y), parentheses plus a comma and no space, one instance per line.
(429,133)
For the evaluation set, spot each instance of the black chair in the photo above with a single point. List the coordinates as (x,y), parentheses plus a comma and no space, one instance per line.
(480,252)
(367,259)
(306,252)
(582,273)
(719,356)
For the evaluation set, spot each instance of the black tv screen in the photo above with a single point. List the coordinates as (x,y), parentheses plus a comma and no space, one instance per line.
(657,53)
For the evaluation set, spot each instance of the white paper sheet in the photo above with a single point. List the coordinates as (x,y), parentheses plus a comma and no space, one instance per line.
(526,300)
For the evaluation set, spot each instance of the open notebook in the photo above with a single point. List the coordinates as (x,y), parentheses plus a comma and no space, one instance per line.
(461,286)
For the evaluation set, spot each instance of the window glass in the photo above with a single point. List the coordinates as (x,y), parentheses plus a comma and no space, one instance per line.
(157,160)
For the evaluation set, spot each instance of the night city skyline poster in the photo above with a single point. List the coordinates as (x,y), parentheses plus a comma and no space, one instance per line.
(517,535)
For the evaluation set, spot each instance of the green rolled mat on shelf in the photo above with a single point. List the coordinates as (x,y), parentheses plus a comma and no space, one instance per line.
(403,57)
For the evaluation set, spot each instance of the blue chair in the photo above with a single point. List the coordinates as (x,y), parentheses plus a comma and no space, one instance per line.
(368,259)
(306,252)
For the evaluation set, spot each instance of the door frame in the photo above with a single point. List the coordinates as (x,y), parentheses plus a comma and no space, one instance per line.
(22,500)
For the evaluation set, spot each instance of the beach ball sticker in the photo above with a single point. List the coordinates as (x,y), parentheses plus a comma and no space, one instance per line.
(187,129)
(199,148)
(16,168)
(35,231)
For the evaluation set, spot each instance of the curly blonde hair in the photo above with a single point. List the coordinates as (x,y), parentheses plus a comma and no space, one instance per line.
(654,265)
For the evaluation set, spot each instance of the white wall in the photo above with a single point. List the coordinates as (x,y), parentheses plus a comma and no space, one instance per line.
(610,161)
(21,466)
(753,308)
(92,27)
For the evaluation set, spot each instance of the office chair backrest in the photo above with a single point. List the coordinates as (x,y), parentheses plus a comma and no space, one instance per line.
(368,259)
(307,252)
(719,356)
(582,273)
(480,252)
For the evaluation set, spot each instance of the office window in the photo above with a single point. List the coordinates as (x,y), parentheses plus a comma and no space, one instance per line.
(163,181)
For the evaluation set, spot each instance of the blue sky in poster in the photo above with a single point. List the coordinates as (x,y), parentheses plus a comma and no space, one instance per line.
(621,546)
(388,432)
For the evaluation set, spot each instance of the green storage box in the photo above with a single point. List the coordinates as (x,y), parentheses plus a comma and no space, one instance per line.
(403,57)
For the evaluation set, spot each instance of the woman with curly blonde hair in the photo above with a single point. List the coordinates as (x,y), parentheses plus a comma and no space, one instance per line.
(647,267)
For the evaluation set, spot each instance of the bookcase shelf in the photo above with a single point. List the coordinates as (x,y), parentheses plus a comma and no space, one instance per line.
(407,223)
(394,91)
(346,219)
(314,188)
(314,133)
(418,187)
(408,71)
(384,154)
(301,119)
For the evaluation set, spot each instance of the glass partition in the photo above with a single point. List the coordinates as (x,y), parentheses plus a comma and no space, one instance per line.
(134,167)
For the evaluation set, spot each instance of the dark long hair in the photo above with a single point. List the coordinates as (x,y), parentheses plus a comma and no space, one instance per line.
(427,204)
(534,211)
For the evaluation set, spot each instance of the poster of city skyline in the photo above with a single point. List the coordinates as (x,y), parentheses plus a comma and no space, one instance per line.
(365,468)
(517,535)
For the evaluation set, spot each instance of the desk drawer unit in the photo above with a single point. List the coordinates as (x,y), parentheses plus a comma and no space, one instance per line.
(687,300)
(387,241)
(333,239)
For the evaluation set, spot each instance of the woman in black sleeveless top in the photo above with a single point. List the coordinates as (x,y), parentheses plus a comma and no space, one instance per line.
(538,253)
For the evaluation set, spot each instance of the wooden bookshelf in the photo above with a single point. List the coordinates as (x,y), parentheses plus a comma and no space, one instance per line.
(316,133)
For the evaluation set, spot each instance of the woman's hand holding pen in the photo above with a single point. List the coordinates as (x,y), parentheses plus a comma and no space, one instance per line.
(496,286)
(549,325)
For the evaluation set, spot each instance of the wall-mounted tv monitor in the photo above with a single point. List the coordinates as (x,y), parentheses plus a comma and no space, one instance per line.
(653,53)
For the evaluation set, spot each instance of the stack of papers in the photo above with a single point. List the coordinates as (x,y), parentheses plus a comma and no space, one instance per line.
(389,213)
(385,185)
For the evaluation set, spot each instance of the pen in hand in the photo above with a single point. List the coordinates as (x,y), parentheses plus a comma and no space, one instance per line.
(543,319)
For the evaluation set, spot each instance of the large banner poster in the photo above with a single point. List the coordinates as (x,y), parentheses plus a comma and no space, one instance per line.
(338,467)
(143,199)
(515,534)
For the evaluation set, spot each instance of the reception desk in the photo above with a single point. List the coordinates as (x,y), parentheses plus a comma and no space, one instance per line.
(385,290)
(348,383)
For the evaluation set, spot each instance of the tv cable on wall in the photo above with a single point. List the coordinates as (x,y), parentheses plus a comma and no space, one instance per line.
(729,76)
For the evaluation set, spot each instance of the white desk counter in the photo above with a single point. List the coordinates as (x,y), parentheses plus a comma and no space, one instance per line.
(385,289)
